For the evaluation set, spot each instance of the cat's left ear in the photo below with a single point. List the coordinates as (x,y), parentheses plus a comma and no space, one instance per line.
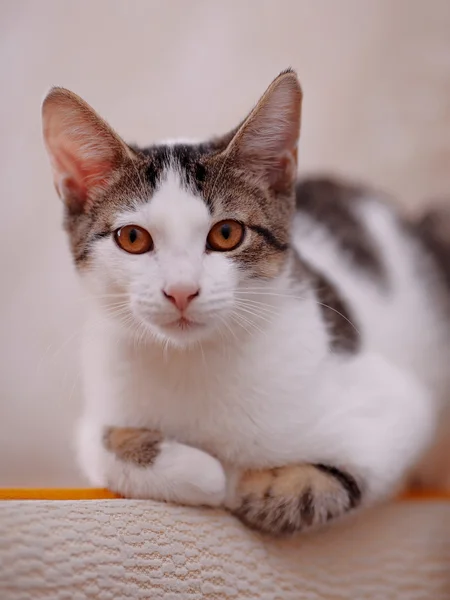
(84,151)
(267,140)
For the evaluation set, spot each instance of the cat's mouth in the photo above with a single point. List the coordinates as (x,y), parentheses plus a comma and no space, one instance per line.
(183,324)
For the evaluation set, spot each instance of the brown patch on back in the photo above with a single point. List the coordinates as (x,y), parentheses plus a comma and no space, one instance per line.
(336,314)
(434,232)
(331,203)
(294,498)
(138,446)
(344,335)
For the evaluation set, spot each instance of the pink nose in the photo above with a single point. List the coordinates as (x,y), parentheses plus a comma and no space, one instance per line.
(181,296)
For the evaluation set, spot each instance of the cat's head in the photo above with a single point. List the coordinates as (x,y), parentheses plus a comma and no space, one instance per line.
(171,238)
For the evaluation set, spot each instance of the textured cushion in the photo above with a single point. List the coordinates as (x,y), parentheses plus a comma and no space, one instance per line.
(114,549)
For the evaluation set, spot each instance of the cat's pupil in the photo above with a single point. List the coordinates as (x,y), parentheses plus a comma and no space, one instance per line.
(132,236)
(225,231)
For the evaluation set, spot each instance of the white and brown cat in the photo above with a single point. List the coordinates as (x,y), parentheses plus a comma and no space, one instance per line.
(275,346)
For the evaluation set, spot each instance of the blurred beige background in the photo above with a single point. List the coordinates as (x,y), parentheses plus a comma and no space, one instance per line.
(376,77)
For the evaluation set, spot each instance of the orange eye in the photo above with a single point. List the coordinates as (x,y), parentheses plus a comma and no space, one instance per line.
(133,239)
(225,236)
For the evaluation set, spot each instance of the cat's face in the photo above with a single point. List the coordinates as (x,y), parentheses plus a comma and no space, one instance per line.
(170,239)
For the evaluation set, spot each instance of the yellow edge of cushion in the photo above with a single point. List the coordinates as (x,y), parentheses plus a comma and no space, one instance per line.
(103,494)
(56,494)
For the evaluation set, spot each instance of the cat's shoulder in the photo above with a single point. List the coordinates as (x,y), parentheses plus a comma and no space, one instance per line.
(341,208)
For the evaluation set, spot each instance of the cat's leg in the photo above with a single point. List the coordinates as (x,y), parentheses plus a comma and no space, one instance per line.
(139,463)
(376,421)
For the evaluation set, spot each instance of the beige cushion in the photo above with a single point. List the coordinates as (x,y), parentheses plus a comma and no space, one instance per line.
(113,549)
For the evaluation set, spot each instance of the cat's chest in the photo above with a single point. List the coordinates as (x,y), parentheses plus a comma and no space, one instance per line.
(197,404)
(243,403)
(239,410)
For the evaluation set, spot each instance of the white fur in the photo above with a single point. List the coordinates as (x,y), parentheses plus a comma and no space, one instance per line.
(253,387)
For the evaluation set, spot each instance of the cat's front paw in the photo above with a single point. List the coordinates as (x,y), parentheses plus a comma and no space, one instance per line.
(293,498)
(140,463)
(201,479)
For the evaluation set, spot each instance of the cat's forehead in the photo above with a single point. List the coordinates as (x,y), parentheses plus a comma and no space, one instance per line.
(174,207)
(177,172)
(185,158)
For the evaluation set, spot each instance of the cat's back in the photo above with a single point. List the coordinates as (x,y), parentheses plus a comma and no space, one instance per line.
(391,274)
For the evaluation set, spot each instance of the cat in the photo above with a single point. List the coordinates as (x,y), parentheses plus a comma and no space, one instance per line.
(255,341)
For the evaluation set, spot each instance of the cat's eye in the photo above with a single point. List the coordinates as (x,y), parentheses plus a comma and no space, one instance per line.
(133,239)
(225,236)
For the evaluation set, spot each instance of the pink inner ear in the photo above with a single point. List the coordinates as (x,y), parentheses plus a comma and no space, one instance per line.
(76,176)
(83,149)
(283,171)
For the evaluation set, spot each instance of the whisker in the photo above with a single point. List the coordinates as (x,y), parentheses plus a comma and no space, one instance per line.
(166,350)
(104,296)
(240,324)
(254,314)
(60,348)
(295,297)
(203,355)
(249,322)
(258,306)
(271,294)
(227,326)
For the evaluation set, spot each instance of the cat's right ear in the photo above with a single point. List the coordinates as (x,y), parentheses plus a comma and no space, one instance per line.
(84,151)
